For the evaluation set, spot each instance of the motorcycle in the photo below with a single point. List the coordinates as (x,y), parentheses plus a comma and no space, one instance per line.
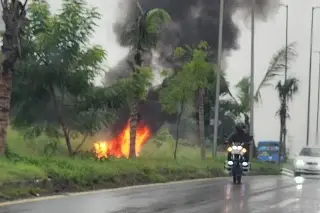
(237,166)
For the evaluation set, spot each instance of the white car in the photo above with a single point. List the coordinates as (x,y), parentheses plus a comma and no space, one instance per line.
(308,162)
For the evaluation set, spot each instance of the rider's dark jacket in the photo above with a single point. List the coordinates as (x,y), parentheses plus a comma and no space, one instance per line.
(240,137)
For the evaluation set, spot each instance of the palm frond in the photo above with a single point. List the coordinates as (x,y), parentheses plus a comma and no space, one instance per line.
(243,87)
(287,89)
(143,32)
(139,6)
(277,67)
(156,19)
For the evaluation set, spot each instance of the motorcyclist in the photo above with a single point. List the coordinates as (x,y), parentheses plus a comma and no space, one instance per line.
(240,135)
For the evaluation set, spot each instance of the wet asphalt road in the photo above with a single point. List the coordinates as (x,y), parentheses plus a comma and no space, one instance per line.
(256,195)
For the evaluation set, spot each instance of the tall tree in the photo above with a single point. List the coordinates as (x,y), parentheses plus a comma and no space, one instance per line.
(286,91)
(57,71)
(195,70)
(174,99)
(142,35)
(14,17)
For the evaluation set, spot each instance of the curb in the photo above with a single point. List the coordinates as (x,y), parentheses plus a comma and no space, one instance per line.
(74,194)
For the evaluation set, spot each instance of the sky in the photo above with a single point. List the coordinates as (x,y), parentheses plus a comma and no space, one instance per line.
(269,37)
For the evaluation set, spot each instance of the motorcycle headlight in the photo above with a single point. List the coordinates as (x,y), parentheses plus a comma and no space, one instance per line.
(299,162)
(234,147)
(239,147)
(229,149)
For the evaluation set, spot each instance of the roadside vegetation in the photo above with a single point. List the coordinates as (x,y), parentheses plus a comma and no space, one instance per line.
(33,175)
(58,113)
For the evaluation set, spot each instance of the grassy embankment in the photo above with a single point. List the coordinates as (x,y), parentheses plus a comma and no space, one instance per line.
(156,164)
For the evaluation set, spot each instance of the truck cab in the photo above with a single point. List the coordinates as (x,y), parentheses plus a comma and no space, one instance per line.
(268,151)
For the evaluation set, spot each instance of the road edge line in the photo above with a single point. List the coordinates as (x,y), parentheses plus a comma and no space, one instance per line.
(73,194)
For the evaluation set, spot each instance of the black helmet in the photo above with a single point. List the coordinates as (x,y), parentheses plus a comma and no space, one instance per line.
(240,126)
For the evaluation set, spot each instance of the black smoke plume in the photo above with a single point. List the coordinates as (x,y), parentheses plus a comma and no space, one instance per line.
(193,21)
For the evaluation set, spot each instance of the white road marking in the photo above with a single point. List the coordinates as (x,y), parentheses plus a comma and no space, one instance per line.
(114,190)
(284,203)
(8,203)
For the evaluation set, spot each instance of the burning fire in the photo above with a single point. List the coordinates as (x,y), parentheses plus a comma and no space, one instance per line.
(120,145)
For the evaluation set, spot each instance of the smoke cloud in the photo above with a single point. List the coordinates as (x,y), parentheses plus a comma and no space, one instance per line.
(193,21)
(196,20)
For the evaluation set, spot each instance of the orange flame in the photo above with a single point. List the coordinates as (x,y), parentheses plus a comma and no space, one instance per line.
(119,146)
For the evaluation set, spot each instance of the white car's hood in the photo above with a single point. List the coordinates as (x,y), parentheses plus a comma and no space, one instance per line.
(309,159)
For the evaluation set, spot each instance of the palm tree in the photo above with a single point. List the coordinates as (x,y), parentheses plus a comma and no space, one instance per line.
(142,34)
(275,69)
(286,91)
(14,17)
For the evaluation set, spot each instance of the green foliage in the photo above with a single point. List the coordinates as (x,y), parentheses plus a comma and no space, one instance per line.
(196,73)
(139,82)
(287,89)
(53,84)
(183,86)
(142,34)
(178,90)
(277,66)
(243,94)
(82,174)
(275,69)
(156,19)
(163,136)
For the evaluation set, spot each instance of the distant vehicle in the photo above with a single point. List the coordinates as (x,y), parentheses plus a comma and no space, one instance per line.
(307,162)
(268,151)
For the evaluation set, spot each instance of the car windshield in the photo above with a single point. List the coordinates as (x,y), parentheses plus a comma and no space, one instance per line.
(310,152)
(268,148)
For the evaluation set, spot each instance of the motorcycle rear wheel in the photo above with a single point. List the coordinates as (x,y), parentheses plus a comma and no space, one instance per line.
(234,178)
(239,179)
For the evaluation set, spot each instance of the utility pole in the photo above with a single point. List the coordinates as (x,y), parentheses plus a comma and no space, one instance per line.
(310,73)
(317,124)
(252,78)
(218,79)
(283,145)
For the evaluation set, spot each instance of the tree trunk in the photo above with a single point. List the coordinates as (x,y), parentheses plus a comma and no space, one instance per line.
(280,149)
(59,112)
(133,129)
(66,137)
(282,127)
(284,136)
(284,145)
(84,139)
(201,124)
(134,111)
(14,18)
(247,123)
(5,100)
(177,130)
(247,120)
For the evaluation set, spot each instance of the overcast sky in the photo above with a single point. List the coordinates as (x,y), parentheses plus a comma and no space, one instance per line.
(270,36)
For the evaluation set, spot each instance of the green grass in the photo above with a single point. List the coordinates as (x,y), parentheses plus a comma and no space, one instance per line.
(155,164)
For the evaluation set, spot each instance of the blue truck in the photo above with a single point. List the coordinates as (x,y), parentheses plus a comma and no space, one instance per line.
(268,151)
